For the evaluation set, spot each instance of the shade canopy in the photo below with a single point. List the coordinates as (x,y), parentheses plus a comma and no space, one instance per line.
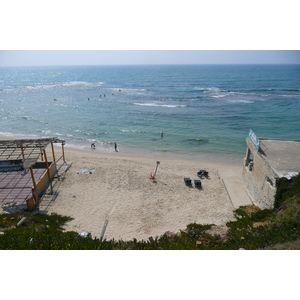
(27,150)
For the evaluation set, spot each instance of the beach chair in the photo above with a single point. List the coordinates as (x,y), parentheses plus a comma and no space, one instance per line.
(188,181)
(198,184)
(202,173)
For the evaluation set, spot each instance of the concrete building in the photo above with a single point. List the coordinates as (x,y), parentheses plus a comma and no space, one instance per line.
(266,161)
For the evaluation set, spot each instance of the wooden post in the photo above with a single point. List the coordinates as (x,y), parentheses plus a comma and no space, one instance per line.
(48,172)
(63,151)
(47,165)
(53,154)
(31,203)
(35,193)
(42,154)
(22,150)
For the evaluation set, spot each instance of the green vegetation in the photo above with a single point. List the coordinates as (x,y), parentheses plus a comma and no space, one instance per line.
(252,229)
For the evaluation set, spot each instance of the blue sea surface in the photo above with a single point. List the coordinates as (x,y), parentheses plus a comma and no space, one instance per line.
(203,110)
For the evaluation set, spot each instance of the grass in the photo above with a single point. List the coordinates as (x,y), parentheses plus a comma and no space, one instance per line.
(252,229)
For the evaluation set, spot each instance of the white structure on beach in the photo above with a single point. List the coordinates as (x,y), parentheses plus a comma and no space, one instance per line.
(266,161)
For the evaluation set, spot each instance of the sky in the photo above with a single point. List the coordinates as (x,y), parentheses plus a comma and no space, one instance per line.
(149,32)
(125,57)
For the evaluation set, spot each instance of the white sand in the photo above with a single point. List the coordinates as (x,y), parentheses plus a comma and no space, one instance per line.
(121,192)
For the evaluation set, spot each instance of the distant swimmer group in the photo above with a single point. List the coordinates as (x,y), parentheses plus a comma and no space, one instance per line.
(104,95)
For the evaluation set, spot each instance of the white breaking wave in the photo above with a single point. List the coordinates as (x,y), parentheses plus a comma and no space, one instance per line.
(220,96)
(131,91)
(158,105)
(56,85)
(132,131)
(241,101)
(76,83)
(208,89)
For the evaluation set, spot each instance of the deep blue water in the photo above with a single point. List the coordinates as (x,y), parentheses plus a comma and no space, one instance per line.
(203,110)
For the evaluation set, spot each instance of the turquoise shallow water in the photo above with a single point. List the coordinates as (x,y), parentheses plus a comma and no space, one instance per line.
(203,110)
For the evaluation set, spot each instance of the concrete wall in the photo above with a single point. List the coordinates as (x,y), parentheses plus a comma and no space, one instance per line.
(259,178)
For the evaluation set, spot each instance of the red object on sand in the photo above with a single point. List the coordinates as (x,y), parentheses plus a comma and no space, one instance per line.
(152,175)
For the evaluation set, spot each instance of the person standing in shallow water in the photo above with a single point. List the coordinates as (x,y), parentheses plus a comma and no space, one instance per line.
(116,147)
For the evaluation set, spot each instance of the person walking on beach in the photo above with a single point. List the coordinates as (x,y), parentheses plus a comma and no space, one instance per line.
(116,147)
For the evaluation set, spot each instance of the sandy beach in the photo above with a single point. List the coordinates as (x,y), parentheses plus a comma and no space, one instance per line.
(119,195)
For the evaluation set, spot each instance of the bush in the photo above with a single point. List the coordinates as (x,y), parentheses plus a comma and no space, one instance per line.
(286,189)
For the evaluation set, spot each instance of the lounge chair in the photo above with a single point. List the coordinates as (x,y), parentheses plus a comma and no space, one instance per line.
(188,181)
(202,173)
(198,184)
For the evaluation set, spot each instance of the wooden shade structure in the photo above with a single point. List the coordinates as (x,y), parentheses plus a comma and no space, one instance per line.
(26,154)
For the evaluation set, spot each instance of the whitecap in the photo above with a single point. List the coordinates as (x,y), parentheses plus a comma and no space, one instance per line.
(132,131)
(212,90)
(19,135)
(130,91)
(241,101)
(158,105)
(199,88)
(57,85)
(207,89)
(46,132)
(219,96)
(85,83)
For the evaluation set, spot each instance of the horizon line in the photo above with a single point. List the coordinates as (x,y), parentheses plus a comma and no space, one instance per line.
(147,64)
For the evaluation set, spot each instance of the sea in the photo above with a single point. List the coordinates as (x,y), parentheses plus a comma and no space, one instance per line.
(178,111)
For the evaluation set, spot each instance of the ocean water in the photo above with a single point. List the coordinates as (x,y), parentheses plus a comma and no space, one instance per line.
(203,110)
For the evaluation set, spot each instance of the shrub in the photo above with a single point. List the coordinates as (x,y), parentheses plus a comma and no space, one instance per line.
(286,189)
